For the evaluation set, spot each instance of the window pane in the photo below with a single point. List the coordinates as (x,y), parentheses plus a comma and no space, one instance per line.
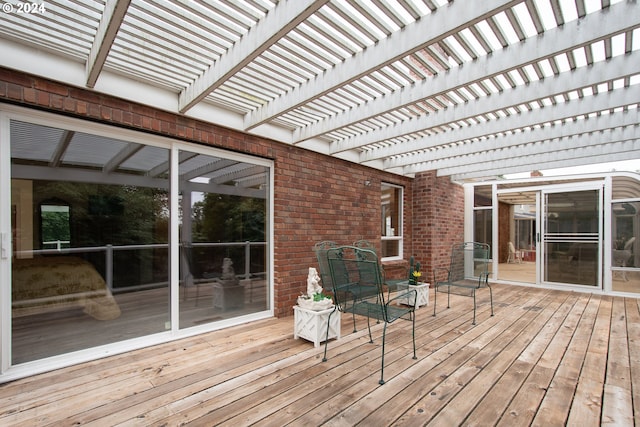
(482,196)
(482,226)
(625,240)
(223,239)
(391,221)
(625,235)
(92,269)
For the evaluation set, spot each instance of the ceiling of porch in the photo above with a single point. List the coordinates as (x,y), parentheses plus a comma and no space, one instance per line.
(471,89)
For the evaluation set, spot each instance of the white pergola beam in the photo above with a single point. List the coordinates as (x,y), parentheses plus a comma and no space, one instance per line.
(521,144)
(278,22)
(574,108)
(129,150)
(557,156)
(616,68)
(112,17)
(551,43)
(393,48)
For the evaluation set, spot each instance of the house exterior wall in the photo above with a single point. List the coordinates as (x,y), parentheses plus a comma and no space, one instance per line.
(317,197)
(438,220)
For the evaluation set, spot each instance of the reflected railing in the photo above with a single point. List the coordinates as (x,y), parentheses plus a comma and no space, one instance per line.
(106,262)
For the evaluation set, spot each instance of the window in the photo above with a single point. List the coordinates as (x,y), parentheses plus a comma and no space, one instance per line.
(482,214)
(391,221)
(55,224)
(625,235)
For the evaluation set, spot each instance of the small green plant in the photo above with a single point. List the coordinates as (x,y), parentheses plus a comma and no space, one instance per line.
(414,272)
(320,296)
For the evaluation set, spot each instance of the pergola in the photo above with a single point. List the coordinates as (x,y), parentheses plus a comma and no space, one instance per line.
(471,89)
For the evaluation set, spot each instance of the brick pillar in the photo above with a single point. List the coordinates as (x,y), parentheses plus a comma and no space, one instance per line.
(438,220)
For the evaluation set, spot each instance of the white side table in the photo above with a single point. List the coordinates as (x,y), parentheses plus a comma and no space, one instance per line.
(312,325)
(422,297)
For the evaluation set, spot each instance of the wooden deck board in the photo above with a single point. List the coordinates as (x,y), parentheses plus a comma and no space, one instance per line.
(545,358)
(617,400)
(633,331)
(491,362)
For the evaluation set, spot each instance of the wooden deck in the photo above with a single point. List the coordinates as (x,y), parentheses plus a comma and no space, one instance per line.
(546,358)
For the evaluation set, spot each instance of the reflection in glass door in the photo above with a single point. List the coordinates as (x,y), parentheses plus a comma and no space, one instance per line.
(518,231)
(571,237)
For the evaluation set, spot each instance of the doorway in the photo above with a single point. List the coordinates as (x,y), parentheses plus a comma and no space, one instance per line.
(518,235)
(555,233)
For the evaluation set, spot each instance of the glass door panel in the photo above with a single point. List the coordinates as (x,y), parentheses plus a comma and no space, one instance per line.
(571,237)
(223,239)
(90,259)
(517,236)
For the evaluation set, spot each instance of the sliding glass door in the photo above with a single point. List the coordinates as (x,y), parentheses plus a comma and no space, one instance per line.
(571,236)
(120,239)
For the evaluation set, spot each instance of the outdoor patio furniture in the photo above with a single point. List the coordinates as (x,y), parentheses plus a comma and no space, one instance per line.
(514,255)
(392,284)
(358,288)
(321,249)
(468,269)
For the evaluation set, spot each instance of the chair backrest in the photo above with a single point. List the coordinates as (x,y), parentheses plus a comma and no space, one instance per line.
(629,243)
(321,249)
(512,249)
(469,260)
(355,274)
(365,244)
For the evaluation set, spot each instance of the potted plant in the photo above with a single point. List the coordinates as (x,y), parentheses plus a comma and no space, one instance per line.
(414,272)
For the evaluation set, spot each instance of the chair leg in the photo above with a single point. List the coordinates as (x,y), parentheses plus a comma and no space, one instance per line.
(413,335)
(353,315)
(369,326)
(435,299)
(474,306)
(491,298)
(384,333)
(326,338)
(448,296)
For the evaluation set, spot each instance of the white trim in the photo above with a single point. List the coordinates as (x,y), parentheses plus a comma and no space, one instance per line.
(174,240)
(5,230)
(398,238)
(607,273)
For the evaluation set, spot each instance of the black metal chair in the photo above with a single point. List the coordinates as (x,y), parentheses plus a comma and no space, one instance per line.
(468,269)
(358,288)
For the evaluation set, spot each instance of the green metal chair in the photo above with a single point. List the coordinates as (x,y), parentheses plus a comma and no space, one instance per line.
(392,284)
(358,289)
(468,269)
(321,249)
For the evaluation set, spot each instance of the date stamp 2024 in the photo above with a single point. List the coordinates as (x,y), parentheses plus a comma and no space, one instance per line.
(23,8)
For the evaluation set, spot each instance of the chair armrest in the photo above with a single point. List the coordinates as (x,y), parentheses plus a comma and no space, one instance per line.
(435,274)
(483,278)
(404,295)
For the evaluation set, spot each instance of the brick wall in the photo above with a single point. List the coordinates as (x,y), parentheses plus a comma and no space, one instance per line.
(438,220)
(317,197)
